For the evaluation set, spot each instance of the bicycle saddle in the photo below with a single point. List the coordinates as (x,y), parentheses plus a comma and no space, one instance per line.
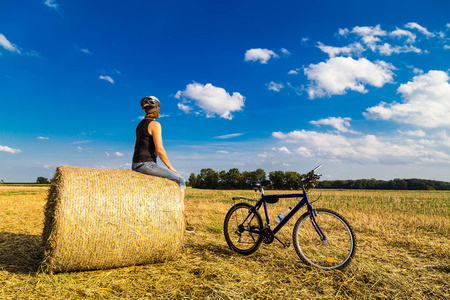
(258,184)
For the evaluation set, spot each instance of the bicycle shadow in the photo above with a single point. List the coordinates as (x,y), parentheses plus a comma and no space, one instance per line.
(20,253)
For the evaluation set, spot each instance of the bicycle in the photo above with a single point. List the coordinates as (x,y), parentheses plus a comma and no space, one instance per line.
(327,241)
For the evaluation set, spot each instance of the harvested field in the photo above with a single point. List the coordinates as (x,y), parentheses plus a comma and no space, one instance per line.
(403,253)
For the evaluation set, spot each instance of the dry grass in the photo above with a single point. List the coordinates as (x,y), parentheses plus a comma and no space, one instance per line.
(403,253)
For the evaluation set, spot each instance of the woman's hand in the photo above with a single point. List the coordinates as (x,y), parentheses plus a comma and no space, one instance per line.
(172,169)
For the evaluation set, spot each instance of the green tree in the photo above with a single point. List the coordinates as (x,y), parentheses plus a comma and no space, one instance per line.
(292,180)
(193,180)
(208,179)
(278,179)
(42,180)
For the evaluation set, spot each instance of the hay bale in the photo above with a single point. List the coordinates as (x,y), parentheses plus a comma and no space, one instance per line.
(107,218)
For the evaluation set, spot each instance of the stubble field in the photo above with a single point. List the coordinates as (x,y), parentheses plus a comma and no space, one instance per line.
(403,253)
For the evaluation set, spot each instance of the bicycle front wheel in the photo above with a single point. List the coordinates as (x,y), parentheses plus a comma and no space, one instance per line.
(242,229)
(333,251)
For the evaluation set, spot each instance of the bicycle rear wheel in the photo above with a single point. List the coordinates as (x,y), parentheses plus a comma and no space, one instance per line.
(242,229)
(336,251)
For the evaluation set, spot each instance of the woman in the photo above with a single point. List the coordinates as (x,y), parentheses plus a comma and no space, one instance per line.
(149,145)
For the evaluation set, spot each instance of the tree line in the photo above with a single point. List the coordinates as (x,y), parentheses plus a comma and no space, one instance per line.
(290,180)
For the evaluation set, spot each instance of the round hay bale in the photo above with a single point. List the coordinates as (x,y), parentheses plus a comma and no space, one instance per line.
(107,218)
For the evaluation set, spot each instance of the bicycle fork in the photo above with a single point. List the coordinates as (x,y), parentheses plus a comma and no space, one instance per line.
(314,223)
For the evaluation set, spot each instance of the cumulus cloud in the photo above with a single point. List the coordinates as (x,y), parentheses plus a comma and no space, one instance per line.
(426,102)
(261,55)
(339,74)
(7,45)
(362,149)
(369,35)
(275,86)
(387,49)
(185,108)
(418,133)
(413,25)
(211,100)
(282,150)
(372,38)
(340,124)
(107,78)
(355,48)
(42,138)
(9,149)
(401,33)
(118,154)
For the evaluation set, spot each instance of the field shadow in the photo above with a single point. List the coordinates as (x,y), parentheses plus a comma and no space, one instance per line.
(20,253)
(211,248)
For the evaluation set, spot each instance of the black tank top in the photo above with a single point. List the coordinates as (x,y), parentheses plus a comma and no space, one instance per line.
(144,150)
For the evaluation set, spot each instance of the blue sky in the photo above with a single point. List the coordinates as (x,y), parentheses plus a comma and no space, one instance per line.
(362,88)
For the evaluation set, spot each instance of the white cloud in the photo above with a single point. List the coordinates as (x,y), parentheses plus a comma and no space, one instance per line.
(292,72)
(118,154)
(399,33)
(185,108)
(42,138)
(418,133)
(222,152)
(228,136)
(107,78)
(7,44)
(52,4)
(364,149)
(340,124)
(275,86)
(426,102)
(343,32)
(261,55)
(86,51)
(282,150)
(387,49)
(413,25)
(9,149)
(285,51)
(212,100)
(339,74)
(446,47)
(369,35)
(355,48)
(107,154)
(82,142)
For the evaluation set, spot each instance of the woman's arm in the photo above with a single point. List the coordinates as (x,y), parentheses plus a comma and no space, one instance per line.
(154,128)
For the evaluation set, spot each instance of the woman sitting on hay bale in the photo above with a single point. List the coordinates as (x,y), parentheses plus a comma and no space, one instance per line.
(149,145)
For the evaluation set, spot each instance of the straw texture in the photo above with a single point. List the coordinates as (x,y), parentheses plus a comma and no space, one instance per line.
(106,218)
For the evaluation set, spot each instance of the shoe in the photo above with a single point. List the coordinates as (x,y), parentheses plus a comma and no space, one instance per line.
(189,229)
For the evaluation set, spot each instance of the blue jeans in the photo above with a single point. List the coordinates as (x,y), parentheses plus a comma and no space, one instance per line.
(151,168)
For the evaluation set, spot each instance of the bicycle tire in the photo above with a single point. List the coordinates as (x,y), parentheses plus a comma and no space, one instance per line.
(334,253)
(237,234)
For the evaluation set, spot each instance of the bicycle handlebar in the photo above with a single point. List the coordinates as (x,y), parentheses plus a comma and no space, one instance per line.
(311,177)
(317,168)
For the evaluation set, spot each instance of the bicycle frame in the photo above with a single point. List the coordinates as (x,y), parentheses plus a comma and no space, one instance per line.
(302,202)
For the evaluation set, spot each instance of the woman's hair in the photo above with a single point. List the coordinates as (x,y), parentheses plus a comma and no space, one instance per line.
(152,113)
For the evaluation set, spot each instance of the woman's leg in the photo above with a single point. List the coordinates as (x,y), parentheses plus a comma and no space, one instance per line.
(151,168)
